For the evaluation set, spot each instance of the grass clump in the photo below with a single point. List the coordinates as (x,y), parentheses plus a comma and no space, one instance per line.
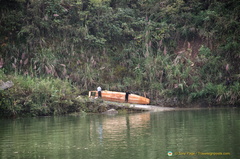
(39,97)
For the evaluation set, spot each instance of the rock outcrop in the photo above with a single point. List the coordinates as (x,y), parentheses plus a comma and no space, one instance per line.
(5,85)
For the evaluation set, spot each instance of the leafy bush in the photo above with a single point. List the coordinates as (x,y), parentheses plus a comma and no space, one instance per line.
(38,96)
(148,46)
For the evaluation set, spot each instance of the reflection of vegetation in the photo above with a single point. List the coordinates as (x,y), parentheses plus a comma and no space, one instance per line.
(142,135)
(166,49)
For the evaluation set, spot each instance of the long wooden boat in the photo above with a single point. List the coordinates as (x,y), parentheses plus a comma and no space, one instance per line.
(120,97)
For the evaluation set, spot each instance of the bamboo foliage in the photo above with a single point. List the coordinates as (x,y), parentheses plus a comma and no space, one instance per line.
(126,45)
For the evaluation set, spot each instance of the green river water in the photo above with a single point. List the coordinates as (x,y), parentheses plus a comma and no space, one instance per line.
(193,134)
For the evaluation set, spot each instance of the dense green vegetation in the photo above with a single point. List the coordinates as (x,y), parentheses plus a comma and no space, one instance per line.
(179,49)
(43,96)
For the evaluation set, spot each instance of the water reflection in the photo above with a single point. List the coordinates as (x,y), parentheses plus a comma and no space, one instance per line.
(117,126)
(142,135)
(118,130)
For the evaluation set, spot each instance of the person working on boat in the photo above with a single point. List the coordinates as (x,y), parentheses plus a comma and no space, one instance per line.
(99,89)
(126,96)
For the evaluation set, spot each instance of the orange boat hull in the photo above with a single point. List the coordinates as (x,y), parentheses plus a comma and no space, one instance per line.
(120,97)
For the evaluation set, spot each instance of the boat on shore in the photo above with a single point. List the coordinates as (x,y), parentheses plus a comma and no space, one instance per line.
(120,97)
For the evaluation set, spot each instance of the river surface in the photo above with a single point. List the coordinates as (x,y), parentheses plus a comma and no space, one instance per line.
(193,134)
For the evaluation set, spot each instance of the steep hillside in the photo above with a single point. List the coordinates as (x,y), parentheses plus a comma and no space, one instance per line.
(178,49)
